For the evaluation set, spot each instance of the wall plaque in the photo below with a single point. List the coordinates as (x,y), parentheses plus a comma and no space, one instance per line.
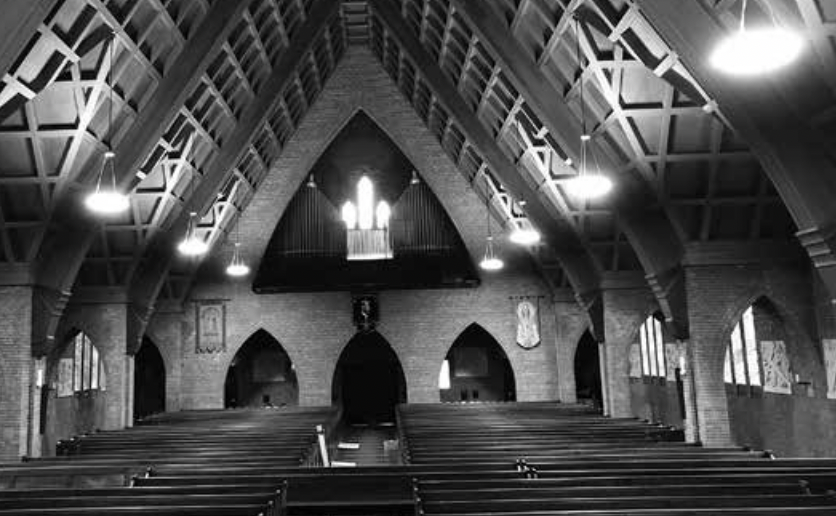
(211,327)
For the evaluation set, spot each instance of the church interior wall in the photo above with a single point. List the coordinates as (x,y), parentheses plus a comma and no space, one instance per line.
(313,328)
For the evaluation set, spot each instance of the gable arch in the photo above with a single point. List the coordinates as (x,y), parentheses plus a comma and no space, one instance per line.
(260,371)
(486,373)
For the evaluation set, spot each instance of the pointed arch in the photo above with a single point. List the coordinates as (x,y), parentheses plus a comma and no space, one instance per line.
(149,380)
(369,380)
(476,368)
(587,366)
(261,374)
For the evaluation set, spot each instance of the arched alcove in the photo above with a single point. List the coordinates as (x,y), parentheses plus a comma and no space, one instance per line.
(261,375)
(771,374)
(476,368)
(73,400)
(588,371)
(149,380)
(369,380)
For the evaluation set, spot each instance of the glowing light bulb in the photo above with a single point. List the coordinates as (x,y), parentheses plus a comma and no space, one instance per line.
(491,264)
(237,267)
(750,52)
(523,236)
(589,186)
(107,202)
(193,246)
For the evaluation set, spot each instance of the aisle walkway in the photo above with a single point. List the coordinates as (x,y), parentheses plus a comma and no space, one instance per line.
(371,451)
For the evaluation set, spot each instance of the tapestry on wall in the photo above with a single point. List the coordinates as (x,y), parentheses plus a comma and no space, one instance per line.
(635,361)
(528,322)
(776,367)
(829,346)
(211,327)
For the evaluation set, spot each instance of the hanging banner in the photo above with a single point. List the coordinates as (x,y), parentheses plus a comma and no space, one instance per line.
(776,367)
(211,327)
(829,346)
(528,321)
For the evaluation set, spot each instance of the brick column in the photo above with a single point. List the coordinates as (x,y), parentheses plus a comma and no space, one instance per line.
(691,418)
(571,323)
(624,310)
(16,370)
(713,293)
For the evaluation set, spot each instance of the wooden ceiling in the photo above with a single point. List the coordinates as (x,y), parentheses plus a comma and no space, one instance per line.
(206,94)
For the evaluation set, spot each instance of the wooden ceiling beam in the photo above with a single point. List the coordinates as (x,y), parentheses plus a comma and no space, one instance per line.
(21,19)
(796,158)
(155,265)
(73,231)
(634,201)
(559,233)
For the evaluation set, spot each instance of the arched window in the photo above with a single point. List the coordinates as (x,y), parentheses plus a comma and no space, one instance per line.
(652,347)
(80,368)
(743,362)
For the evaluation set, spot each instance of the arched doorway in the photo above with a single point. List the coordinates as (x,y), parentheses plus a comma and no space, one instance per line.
(588,371)
(261,375)
(369,380)
(149,380)
(476,368)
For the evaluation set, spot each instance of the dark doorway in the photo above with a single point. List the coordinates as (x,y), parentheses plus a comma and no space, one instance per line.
(369,380)
(149,380)
(588,371)
(476,368)
(261,375)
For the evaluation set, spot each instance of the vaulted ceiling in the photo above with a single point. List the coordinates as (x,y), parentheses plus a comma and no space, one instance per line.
(207,93)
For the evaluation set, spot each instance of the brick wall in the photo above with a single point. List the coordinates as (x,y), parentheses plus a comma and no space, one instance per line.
(15,371)
(313,328)
(420,325)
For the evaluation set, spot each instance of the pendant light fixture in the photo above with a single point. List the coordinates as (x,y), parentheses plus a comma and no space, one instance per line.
(490,262)
(237,267)
(524,235)
(192,244)
(586,184)
(107,199)
(750,52)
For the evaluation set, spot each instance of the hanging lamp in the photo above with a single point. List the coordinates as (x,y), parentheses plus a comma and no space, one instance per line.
(750,52)
(107,199)
(524,235)
(237,267)
(490,262)
(586,184)
(192,244)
